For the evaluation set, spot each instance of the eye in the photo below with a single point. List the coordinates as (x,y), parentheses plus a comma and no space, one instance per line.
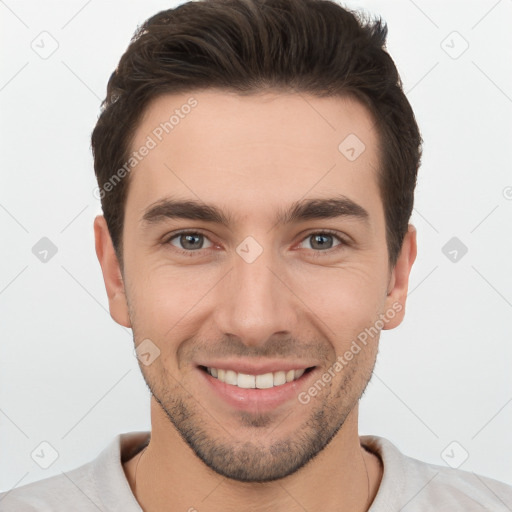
(189,241)
(322,241)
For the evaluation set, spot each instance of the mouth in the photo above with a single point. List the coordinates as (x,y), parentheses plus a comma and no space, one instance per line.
(255,392)
(261,381)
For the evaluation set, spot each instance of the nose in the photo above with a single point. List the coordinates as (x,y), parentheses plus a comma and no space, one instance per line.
(256,302)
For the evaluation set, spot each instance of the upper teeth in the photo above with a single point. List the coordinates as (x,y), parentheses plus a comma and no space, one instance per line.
(243,380)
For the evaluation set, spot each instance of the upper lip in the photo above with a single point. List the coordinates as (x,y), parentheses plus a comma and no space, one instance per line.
(253,368)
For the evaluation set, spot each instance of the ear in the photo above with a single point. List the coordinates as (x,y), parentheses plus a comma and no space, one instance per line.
(111,272)
(399,280)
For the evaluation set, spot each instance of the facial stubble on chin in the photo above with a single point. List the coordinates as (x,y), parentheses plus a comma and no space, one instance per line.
(213,443)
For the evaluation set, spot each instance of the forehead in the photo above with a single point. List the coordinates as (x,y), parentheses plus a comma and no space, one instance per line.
(258,151)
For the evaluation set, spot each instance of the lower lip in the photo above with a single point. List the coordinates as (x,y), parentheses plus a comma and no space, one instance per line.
(257,400)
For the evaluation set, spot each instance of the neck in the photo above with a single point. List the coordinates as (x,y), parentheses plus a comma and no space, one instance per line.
(343,477)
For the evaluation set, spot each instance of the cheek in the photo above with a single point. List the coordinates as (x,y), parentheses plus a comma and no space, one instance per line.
(346,300)
(166,301)
(341,301)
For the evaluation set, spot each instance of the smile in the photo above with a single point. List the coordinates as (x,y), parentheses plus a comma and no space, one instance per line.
(263,381)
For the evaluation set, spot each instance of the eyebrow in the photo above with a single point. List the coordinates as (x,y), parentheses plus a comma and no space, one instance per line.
(307,209)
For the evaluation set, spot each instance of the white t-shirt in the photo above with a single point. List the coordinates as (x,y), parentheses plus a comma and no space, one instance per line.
(407,485)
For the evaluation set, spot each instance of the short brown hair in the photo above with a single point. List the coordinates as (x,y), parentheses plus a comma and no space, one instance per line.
(248,46)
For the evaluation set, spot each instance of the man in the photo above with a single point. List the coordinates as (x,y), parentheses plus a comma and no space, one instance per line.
(256,163)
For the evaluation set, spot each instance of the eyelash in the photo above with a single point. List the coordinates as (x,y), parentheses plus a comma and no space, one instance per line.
(316,253)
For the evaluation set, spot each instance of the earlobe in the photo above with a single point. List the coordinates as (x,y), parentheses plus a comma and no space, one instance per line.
(112,275)
(399,281)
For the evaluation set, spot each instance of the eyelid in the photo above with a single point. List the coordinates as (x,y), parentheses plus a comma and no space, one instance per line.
(343,241)
(342,236)
(335,234)
(167,239)
(320,231)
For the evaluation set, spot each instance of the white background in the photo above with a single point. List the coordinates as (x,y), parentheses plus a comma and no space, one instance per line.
(68,375)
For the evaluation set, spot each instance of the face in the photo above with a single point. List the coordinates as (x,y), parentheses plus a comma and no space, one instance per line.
(254,257)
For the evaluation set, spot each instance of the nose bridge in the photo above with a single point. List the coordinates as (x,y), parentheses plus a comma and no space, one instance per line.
(255,303)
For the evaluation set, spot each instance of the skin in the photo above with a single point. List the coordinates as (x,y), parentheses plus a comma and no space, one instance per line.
(252,157)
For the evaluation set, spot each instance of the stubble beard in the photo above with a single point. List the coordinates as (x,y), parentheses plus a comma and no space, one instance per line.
(262,460)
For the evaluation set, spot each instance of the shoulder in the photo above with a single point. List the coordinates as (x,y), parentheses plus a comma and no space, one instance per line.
(97,485)
(409,484)
(65,491)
